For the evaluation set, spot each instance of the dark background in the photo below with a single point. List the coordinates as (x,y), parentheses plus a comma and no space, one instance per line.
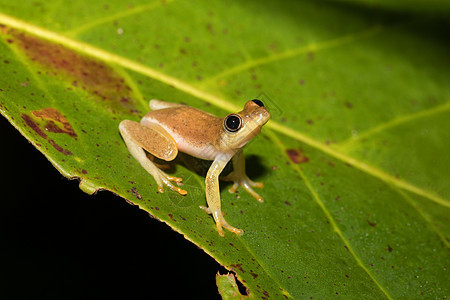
(58,242)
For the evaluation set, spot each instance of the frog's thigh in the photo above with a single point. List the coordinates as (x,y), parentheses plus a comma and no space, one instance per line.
(152,137)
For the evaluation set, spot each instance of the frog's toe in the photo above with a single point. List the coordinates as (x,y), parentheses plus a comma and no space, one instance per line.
(166,179)
(229,228)
(177,189)
(235,230)
(247,185)
(220,230)
(254,194)
(173,188)
(234,187)
(221,222)
(173,178)
(206,209)
(256,184)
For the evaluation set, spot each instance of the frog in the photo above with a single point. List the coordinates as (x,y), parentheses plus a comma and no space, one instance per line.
(169,128)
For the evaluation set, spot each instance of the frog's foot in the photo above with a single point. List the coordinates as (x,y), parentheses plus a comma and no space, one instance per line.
(244,182)
(163,178)
(220,222)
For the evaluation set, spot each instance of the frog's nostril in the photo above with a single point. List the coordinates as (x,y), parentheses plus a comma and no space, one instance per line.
(258,102)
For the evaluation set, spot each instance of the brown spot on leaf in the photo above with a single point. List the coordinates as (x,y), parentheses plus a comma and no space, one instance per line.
(171,217)
(56,121)
(39,128)
(348,105)
(33,125)
(88,74)
(296,156)
(135,193)
(232,245)
(389,248)
(59,148)
(237,266)
(373,224)
(209,27)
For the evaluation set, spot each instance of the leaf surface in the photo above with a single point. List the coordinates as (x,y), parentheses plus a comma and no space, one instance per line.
(354,161)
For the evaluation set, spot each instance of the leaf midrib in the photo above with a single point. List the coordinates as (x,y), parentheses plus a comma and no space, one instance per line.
(220,102)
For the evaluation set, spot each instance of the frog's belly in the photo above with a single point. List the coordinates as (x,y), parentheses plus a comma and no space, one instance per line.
(208,151)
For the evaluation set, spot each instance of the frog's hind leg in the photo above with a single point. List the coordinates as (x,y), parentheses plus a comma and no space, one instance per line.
(157,142)
(158,104)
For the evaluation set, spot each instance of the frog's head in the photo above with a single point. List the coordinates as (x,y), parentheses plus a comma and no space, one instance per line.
(242,127)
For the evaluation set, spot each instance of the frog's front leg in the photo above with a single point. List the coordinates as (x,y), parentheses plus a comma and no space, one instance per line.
(158,142)
(239,177)
(213,195)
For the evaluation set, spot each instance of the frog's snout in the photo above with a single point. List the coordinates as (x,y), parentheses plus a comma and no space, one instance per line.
(264,116)
(256,113)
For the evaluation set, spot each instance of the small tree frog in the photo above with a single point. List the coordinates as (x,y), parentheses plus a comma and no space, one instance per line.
(171,127)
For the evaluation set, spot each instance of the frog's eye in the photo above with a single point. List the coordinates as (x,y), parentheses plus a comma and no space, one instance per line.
(232,122)
(258,102)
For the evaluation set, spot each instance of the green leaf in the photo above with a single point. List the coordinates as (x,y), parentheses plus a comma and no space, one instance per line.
(415,6)
(228,287)
(354,161)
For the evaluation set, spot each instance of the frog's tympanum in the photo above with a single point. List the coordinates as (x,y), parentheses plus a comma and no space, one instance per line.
(170,127)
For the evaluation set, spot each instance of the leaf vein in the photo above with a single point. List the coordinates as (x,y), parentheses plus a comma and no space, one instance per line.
(131,82)
(424,216)
(363,166)
(329,216)
(292,53)
(123,14)
(393,123)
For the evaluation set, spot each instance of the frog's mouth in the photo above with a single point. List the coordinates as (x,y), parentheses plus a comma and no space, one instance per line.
(252,129)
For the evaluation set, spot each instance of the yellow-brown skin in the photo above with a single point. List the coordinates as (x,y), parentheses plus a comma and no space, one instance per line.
(172,127)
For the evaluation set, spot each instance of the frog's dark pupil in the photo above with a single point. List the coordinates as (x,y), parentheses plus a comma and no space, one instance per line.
(233,123)
(258,102)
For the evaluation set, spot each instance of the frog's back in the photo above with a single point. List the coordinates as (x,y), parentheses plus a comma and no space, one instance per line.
(196,132)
